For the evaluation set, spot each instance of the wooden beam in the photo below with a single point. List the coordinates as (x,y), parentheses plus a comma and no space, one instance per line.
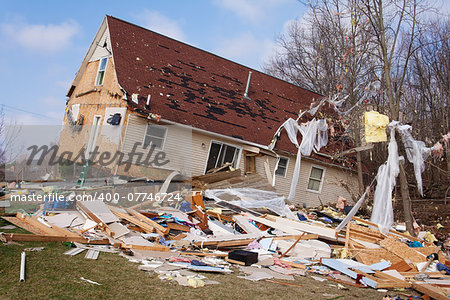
(150,248)
(18,237)
(94,218)
(430,290)
(176,226)
(147,220)
(357,149)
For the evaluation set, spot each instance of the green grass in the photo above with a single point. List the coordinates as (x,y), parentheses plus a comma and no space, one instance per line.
(52,275)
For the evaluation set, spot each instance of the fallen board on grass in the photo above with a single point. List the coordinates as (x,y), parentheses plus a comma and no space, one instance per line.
(18,237)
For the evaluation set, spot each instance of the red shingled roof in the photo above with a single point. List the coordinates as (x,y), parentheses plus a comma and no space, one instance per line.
(193,87)
(200,89)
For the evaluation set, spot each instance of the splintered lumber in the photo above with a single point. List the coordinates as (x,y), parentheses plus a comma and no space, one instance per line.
(323,232)
(402,250)
(397,282)
(292,246)
(52,230)
(25,225)
(147,220)
(18,237)
(131,219)
(150,248)
(204,253)
(364,233)
(220,217)
(176,226)
(95,218)
(430,290)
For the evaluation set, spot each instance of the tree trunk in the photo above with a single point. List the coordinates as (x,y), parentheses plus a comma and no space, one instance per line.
(406,201)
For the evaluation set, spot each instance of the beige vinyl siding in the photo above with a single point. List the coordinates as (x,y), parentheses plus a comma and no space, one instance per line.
(184,149)
(331,188)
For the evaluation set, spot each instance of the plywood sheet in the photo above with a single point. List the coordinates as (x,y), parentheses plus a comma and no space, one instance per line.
(402,250)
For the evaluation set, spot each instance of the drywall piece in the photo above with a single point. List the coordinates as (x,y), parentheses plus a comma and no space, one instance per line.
(286,229)
(402,250)
(74,251)
(380,266)
(344,268)
(113,132)
(137,241)
(100,209)
(323,232)
(244,223)
(92,254)
(66,219)
(219,229)
(118,229)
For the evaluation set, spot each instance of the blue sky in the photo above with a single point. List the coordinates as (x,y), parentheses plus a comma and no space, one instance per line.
(42,43)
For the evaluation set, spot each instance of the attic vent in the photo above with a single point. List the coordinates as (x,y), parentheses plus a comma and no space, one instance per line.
(248,84)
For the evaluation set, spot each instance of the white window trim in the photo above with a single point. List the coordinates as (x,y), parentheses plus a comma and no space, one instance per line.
(287,166)
(238,161)
(164,140)
(98,70)
(321,181)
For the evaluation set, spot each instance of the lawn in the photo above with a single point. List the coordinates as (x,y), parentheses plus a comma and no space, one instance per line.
(52,275)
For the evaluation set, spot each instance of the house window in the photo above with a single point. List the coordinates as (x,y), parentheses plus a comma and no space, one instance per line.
(316,179)
(220,154)
(155,135)
(282,166)
(101,71)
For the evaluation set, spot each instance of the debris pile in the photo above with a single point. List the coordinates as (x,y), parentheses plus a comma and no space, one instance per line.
(247,231)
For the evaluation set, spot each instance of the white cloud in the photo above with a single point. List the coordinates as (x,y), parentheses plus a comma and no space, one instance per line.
(40,37)
(158,22)
(254,11)
(246,48)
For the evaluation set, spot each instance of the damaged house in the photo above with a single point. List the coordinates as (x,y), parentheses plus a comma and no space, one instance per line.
(138,90)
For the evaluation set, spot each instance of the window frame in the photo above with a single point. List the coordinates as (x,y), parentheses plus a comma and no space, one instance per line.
(321,180)
(239,153)
(164,139)
(98,71)
(286,169)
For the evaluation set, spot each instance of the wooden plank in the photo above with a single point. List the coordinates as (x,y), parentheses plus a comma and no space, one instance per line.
(402,283)
(430,290)
(292,246)
(131,219)
(219,216)
(151,248)
(176,226)
(147,220)
(204,254)
(402,250)
(94,218)
(18,237)
(25,225)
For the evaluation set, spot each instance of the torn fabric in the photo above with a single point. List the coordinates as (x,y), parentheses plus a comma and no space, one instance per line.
(382,212)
